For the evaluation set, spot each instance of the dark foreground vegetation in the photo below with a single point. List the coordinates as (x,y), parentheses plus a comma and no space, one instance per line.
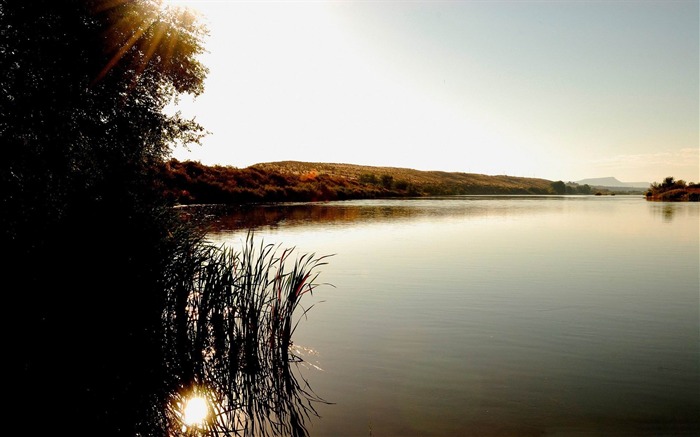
(116,308)
(194,183)
(671,190)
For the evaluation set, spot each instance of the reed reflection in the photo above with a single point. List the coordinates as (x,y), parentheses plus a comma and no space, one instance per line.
(229,357)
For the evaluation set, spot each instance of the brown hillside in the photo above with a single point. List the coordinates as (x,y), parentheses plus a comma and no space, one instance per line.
(191,182)
(465,183)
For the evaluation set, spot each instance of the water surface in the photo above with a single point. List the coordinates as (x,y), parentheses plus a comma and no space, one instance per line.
(496,315)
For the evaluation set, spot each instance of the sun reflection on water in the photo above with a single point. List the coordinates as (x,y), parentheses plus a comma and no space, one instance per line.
(195,411)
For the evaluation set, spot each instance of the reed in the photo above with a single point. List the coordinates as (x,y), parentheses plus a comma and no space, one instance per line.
(227,325)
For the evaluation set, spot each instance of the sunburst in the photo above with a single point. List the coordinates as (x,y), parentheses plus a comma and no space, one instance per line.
(149,25)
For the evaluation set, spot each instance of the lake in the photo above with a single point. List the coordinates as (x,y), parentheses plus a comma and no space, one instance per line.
(496,315)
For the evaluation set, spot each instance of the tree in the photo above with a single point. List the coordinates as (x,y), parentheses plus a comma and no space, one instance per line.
(673,190)
(559,187)
(584,189)
(387,181)
(82,98)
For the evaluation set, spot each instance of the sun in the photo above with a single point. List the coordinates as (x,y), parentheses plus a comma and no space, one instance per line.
(190,4)
(196,7)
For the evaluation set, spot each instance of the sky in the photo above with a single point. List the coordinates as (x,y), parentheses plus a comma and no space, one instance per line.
(560,90)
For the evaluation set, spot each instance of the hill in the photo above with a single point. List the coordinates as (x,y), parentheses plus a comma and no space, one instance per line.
(611,182)
(191,182)
(432,182)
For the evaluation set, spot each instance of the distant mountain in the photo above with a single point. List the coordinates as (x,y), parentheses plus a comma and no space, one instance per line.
(612,182)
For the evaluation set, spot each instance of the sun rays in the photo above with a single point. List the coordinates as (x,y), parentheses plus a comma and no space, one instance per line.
(146,33)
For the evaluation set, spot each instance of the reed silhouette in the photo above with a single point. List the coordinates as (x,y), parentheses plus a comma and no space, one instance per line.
(228,325)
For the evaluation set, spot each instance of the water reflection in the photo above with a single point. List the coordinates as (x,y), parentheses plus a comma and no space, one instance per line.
(228,344)
(665,210)
(218,218)
(195,412)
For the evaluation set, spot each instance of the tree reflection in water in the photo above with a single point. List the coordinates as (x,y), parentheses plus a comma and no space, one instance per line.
(228,324)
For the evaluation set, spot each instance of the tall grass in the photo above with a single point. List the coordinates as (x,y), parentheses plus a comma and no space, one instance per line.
(228,324)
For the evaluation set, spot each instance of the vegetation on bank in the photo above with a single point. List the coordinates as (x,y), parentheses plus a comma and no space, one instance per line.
(671,190)
(120,308)
(191,182)
(228,324)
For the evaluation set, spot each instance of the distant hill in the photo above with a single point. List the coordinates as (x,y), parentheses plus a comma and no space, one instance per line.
(611,182)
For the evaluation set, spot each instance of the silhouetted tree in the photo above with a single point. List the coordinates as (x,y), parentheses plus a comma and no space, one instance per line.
(86,238)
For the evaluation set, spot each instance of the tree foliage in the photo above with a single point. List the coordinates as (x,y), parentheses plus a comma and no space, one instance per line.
(83,94)
(84,88)
(672,190)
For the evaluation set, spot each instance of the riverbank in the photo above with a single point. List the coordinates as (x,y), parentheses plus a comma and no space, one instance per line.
(671,190)
(677,195)
(189,182)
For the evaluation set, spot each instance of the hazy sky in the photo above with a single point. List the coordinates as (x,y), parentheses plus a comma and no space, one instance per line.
(562,90)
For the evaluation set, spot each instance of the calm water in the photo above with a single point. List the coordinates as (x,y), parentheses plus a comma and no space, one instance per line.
(497,316)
